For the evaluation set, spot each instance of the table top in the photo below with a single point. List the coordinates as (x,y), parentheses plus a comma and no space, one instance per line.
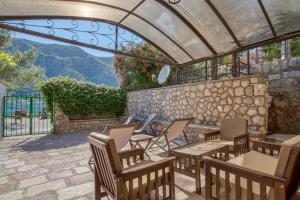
(199,149)
(279,137)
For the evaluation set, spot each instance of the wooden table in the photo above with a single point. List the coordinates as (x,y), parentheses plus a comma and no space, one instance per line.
(188,158)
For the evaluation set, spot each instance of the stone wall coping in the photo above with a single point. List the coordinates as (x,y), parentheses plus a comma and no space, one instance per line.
(89,120)
(191,125)
(205,82)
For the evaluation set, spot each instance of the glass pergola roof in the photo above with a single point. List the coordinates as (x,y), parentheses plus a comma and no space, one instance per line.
(187,32)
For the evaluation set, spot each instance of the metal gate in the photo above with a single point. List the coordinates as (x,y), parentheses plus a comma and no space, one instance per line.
(25,115)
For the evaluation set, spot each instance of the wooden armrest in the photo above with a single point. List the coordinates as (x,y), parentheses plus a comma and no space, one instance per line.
(241,144)
(211,135)
(263,145)
(132,153)
(247,173)
(145,169)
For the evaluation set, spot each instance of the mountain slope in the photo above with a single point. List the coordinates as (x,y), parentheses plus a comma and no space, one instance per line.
(70,61)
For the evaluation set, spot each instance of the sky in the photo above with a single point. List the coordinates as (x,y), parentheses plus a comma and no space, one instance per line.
(48,41)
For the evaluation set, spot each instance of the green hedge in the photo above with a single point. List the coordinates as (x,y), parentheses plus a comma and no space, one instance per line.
(82,99)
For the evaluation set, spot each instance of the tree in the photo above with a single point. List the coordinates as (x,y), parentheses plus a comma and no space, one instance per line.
(17,69)
(136,74)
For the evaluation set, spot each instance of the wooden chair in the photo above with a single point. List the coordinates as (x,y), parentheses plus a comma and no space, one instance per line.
(233,132)
(138,181)
(121,134)
(175,129)
(256,175)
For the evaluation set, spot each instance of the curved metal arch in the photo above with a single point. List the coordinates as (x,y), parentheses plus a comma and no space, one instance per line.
(12,28)
(131,12)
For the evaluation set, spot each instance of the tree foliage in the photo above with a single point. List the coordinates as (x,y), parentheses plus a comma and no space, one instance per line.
(17,70)
(136,74)
(79,99)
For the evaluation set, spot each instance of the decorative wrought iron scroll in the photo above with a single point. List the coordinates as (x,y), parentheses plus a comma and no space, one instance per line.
(100,35)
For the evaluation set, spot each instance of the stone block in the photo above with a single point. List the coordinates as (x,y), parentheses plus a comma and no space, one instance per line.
(239,91)
(260,89)
(274,77)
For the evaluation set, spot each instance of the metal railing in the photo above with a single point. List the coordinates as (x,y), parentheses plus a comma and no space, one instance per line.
(239,64)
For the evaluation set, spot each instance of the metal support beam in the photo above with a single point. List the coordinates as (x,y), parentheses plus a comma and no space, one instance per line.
(188,24)
(267,17)
(221,18)
(129,13)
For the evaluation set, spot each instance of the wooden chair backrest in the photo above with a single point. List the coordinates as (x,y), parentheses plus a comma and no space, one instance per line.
(107,160)
(121,133)
(146,122)
(288,166)
(233,127)
(177,127)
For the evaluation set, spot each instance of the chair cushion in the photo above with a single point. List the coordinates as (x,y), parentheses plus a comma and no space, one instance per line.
(250,160)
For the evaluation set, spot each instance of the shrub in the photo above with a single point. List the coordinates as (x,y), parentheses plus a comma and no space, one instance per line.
(81,99)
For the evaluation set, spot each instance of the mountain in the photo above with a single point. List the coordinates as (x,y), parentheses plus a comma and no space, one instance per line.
(72,61)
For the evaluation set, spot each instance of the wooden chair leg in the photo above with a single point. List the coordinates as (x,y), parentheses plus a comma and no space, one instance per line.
(97,186)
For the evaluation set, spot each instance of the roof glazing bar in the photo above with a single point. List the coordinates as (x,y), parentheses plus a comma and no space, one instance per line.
(186,22)
(267,17)
(221,18)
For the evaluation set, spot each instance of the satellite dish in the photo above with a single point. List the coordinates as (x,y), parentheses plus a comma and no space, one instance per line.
(164,74)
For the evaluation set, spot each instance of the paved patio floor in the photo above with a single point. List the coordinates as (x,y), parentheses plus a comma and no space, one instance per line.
(54,167)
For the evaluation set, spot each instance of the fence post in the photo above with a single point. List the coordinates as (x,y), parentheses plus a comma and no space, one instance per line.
(177,75)
(30,114)
(3,115)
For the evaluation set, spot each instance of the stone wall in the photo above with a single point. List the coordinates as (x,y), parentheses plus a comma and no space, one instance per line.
(64,125)
(207,102)
(284,91)
(2,93)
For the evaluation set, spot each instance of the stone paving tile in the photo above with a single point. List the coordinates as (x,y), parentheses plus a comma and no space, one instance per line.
(15,164)
(15,195)
(79,179)
(27,167)
(75,191)
(3,180)
(47,196)
(60,175)
(80,170)
(49,186)
(32,181)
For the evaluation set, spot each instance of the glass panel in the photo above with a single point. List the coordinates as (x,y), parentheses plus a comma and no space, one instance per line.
(207,23)
(156,37)
(174,27)
(56,8)
(284,15)
(128,5)
(246,20)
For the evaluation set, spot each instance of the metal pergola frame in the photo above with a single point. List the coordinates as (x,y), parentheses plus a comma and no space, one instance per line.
(171,60)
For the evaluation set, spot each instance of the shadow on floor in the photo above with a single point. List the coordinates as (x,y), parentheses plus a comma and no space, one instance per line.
(54,141)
